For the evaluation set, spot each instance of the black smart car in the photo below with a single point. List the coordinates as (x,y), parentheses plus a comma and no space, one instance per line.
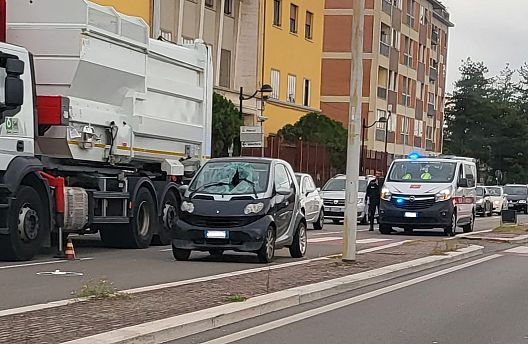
(241,204)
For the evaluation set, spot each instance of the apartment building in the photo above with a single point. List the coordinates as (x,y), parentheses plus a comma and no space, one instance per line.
(404,74)
(290,59)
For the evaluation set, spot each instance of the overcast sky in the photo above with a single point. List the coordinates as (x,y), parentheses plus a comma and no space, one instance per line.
(495,32)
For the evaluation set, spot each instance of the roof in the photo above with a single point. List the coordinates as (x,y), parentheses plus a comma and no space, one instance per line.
(446,159)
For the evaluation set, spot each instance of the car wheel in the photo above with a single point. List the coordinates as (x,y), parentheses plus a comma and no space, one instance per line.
(364,220)
(451,229)
(490,213)
(216,252)
(266,253)
(384,229)
(318,225)
(300,242)
(469,227)
(180,254)
(525,210)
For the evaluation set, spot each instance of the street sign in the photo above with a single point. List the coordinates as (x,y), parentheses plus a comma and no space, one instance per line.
(251,136)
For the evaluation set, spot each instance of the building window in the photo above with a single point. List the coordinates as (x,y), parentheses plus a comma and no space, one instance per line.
(405,130)
(228,7)
(423,15)
(307,90)
(308,31)
(407,54)
(429,133)
(406,92)
(187,40)
(410,13)
(379,115)
(432,102)
(209,3)
(275,83)
(166,35)
(294,11)
(383,75)
(418,128)
(420,88)
(397,3)
(396,37)
(292,80)
(385,39)
(225,68)
(391,124)
(421,53)
(393,80)
(277,12)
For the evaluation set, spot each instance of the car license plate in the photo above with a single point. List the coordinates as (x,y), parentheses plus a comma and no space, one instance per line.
(413,215)
(337,209)
(511,205)
(216,234)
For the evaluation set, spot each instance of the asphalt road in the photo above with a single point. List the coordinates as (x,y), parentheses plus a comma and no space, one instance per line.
(485,303)
(137,268)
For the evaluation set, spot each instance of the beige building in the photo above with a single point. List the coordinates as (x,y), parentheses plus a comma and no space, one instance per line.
(229,27)
(404,70)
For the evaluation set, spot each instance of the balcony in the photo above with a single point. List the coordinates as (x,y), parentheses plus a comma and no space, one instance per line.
(433,74)
(386,6)
(384,49)
(431,111)
(382,93)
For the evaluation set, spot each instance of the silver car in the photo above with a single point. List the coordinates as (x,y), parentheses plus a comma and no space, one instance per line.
(311,201)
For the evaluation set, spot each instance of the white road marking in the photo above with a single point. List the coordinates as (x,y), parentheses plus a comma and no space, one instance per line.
(360,241)
(39,263)
(518,250)
(371,240)
(324,239)
(341,304)
(379,248)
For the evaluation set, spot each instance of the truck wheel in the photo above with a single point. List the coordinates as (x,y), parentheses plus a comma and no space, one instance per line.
(168,219)
(26,223)
(141,228)
(300,242)
(267,251)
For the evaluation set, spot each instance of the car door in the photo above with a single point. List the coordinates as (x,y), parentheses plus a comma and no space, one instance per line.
(284,204)
(313,199)
(469,192)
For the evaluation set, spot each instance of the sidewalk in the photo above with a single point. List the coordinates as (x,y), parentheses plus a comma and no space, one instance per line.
(88,318)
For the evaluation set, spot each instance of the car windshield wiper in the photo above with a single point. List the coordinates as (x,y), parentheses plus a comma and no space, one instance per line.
(252,185)
(206,186)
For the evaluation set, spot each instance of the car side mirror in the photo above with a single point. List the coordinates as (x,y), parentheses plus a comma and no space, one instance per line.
(505,195)
(462,183)
(318,189)
(283,191)
(183,189)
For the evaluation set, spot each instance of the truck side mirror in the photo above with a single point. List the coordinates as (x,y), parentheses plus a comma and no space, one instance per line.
(14,91)
(14,67)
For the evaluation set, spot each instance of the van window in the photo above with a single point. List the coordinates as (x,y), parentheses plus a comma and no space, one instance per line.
(470,175)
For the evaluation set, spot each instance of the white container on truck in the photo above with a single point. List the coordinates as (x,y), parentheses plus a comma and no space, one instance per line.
(95,121)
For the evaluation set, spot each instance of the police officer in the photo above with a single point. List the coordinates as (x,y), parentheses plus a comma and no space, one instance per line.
(372,197)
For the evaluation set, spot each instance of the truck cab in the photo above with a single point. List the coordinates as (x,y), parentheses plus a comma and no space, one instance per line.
(425,193)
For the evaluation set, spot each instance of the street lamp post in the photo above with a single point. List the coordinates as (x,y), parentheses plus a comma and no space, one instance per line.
(385,153)
(264,89)
(364,128)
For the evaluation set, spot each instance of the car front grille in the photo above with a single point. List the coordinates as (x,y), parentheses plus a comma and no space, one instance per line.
(334,202)
(218,222)
(412,202)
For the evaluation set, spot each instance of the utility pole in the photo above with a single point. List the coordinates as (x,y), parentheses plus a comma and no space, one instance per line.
(354,132)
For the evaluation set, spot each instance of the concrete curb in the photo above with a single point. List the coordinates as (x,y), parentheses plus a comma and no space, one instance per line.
(520,239)
(184,325)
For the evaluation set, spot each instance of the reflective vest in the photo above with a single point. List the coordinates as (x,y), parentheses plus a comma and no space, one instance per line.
(426,176)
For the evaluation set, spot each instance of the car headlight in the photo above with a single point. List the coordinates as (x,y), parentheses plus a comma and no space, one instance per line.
(522,201)
(187,207)
(496,202)
(386,194)
(253,208)
(443,195)
(480,201)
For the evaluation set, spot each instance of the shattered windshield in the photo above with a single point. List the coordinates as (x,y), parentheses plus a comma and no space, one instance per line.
(231,178)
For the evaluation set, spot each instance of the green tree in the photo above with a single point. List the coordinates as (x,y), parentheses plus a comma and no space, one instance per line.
(226,126)
(320,129)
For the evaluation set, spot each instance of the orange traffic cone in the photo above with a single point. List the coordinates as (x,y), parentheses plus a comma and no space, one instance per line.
(70,251)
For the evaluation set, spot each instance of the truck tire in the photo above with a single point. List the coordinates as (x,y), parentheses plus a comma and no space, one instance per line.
(169,215)
(26,225)
(139,232)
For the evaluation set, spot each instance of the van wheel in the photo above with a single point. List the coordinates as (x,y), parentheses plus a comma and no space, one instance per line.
(300,242)
(26,222)
(451,229)
(318,225)
(469,227)
(266,253)
(168,219)
(384,229)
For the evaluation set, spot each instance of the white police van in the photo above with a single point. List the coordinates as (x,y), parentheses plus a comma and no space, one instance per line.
(429,192)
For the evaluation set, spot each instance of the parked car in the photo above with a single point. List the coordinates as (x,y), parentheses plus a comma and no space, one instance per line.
(241,204)
(484,205)
(517,195)
(311,201)
(498,199)
(334,193)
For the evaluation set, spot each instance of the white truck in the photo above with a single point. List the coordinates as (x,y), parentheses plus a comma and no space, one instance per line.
(95,121)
